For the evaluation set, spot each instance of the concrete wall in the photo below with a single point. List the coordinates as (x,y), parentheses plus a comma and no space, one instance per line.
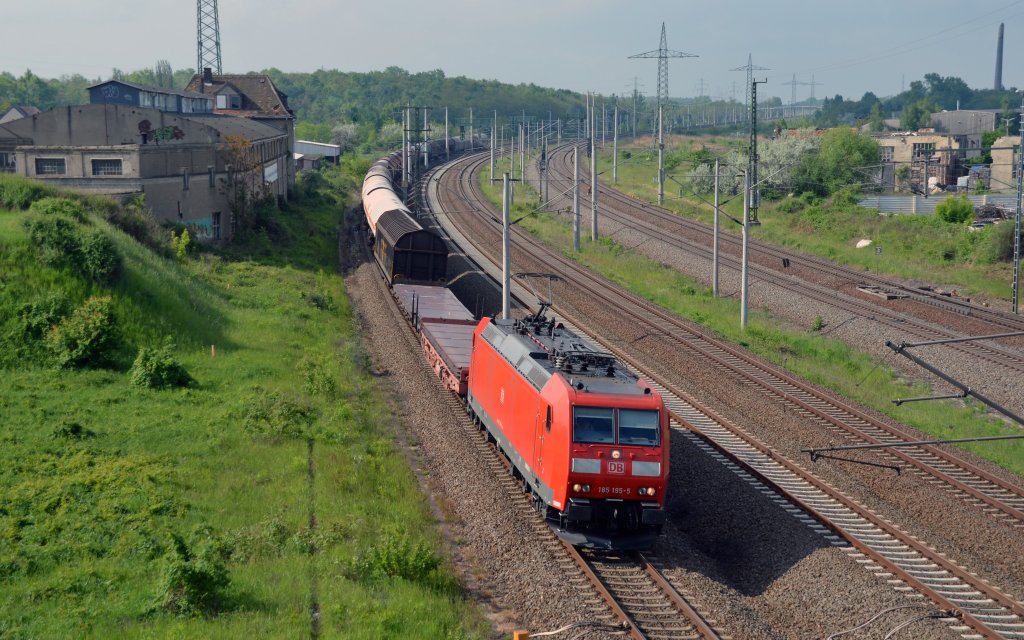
(1004,158)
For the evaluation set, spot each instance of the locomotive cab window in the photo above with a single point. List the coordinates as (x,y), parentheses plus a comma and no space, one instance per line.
(639,427)
(593,425)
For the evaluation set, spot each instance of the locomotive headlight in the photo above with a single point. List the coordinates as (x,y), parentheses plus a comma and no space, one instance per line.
(616,454)
(650,491)
(577,487)
(642,491)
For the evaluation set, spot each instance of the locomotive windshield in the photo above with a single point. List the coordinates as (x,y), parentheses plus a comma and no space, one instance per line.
(639,427)
(597,425)
(593,425)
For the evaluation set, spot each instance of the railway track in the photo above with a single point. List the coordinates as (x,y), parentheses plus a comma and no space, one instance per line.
(613,199)
(649,605)
(886,549)
(694,238)
(641,603)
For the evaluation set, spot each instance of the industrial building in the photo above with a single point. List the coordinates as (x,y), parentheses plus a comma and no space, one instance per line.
(186,164)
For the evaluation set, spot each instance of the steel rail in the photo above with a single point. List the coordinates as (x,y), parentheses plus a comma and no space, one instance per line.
(744,365)
(1012,361)
(959,306)
(980,586)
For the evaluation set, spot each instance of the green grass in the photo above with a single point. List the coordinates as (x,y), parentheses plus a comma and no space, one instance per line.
(913,246)
(830,363)
(87,513)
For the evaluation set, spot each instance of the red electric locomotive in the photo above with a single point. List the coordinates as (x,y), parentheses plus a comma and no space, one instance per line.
(588,438)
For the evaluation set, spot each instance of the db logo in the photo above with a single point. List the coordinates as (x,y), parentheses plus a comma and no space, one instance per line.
(616,467)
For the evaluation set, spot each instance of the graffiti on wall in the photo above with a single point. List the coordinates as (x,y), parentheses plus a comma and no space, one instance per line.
(161,133)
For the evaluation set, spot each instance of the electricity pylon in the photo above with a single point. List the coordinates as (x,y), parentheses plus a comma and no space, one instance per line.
(663,53)
(208,36)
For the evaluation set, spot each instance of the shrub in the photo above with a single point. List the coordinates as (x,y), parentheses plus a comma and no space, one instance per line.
(61,242)
(156,368)
(846,196)
(86,336)
(134,221)
(791,205)
(322,301)
(72,431)
(59,206)
(193,580)
(54,237)
(36,317)
(955,210)
(19,193)
(270,414)
(998,243)
(180,243)
(397,557)
(317,377)
(98,259)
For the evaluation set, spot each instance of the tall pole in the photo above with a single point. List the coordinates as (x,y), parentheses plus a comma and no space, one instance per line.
(493,151)
(615,147)
(405,149)
(426,138)
(559,125)
(1016,222)
(604,124)
(634,109)
(593,184)
(744,270)
(714,249)
(576,197)
(661,158)
(587,129)
(522,152)
(447,149)
(506,258)
(544,169)
(471,128)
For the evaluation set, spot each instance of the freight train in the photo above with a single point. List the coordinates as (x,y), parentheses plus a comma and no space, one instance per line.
(588,439)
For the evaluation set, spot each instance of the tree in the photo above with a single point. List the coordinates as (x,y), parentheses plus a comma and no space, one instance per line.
(845,158)
(778,158)
(346,136)
(876,119)
(244,186)
(164,74)
(917,115)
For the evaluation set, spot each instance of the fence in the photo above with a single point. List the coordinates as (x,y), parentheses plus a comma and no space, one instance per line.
(923,205)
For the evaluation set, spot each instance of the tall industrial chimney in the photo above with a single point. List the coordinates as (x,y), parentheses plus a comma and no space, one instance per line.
(999,60)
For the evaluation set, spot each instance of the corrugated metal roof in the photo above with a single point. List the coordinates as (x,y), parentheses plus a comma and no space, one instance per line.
(394,224)
(143,87)
(235,126)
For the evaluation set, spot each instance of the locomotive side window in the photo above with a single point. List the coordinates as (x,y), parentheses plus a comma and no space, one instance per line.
(639,427)
(593,425)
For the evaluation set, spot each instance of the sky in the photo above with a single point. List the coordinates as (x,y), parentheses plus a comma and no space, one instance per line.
(848,48)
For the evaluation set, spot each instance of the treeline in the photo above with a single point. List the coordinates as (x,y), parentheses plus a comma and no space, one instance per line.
(31,90)
(914,106)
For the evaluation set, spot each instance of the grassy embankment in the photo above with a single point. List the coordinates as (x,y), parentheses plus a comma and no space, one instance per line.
(227,508)
(919,247)
(830,363)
